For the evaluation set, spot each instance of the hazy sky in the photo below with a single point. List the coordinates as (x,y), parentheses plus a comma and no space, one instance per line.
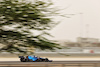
(89,20)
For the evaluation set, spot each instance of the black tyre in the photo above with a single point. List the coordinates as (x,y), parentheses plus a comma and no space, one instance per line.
(26,60)
(46,60)
(22,60)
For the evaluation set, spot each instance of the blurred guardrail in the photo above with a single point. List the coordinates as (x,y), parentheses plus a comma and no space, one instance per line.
(74,50)
(71,51)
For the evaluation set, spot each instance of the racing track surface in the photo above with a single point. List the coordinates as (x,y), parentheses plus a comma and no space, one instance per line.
(50,64)
(54,62)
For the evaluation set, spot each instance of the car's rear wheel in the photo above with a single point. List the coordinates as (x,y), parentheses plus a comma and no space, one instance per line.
(22,60)
(26,60)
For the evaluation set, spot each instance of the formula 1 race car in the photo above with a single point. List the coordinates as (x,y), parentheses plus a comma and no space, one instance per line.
(33,59)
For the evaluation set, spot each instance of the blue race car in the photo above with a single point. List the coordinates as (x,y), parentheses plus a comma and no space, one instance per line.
(33,59)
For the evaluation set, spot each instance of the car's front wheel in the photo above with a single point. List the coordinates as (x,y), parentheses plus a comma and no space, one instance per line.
(46,60)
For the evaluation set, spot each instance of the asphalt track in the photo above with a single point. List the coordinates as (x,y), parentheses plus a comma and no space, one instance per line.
(50,64)
(54,62)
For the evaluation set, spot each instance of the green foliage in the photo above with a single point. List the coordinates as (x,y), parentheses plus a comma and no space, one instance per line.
(18,22)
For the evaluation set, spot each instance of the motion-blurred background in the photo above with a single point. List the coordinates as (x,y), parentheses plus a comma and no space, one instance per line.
(73,24)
